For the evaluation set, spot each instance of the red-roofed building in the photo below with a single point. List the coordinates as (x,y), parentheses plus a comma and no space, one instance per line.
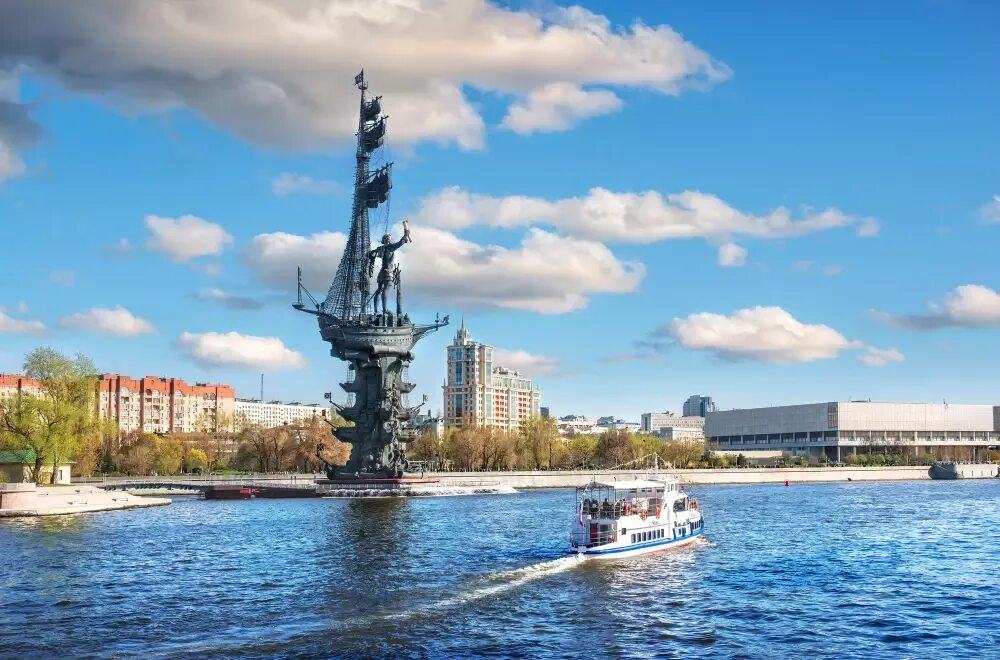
(163,405)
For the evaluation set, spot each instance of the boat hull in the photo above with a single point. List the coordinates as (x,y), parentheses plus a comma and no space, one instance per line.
(616,551)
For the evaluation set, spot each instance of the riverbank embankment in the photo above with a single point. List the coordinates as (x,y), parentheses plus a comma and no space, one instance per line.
(567,478)
(31,500)
(177,485)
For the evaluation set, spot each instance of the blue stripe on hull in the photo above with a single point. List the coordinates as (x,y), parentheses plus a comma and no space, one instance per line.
(640,546)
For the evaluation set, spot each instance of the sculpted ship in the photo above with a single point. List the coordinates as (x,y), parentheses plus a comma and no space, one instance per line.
(375,341)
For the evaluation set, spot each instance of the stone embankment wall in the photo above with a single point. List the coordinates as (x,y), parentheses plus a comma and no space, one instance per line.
(562,479)
(30,500)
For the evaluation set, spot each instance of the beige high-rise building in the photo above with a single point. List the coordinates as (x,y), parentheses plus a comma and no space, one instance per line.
(478,392)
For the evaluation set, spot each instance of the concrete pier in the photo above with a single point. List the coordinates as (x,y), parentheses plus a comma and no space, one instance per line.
(20,499)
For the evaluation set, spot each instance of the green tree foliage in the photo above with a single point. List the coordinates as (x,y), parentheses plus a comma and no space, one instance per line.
(61,422)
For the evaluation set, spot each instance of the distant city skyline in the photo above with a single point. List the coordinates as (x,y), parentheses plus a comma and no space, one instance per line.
(633,202)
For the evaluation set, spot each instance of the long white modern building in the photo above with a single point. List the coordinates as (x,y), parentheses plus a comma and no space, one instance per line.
(673,427)
(838,428)
(271,414)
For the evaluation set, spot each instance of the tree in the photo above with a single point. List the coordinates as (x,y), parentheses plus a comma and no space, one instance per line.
(539,434)
(197,460)
(169,455)
(61,422)
(615,448)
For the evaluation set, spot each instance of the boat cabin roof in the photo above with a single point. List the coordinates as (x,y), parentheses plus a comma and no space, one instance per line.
(627,485)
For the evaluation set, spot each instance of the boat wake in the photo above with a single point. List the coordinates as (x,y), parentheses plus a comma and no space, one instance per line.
(496,583)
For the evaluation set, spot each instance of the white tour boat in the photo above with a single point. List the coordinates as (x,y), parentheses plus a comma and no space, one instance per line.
(625,518)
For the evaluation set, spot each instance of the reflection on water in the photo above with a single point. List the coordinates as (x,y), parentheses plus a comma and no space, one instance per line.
(825,570)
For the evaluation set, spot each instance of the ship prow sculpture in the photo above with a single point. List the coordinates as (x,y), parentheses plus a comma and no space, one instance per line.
(375,341)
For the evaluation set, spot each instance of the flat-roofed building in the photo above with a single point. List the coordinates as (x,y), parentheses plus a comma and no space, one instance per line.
(13,384)
(271,414)
(164,405)
(837,428)
(673,427)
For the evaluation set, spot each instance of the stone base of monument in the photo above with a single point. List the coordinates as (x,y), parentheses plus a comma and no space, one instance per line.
(407,487)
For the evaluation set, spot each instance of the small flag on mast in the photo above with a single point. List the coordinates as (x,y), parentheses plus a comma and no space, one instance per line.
(360,78)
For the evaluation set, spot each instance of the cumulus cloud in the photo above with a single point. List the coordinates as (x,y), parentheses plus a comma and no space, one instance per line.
(229,300)
(966,306)
(287,183)
(187,237)
(18,130)
(12,326)
(558,107)
(880,357)
(604,215)
(117,321)
(765,334)
(532,364)
(277,73)
(731,254)
(546,273)
(990,211)
(274,258)
(231,349)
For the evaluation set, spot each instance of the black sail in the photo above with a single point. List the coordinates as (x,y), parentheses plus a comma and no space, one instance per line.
(377,188)
(373,136)
(370,110)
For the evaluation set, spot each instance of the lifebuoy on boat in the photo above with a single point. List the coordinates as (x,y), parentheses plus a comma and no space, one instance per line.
(642,515)
(628,509)
(658,510)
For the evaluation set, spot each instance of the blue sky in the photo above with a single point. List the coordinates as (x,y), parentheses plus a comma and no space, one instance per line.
(873,124)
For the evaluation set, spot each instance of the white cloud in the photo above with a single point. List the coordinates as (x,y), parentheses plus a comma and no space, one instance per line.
(531,364)
(22,307)
(11,164)
(766,334)
(880,357)
(833,269)
(559,107)
(12,326)
(731,254)
(230,300)
(287,183)
(966,306)
(990,211)
(869,228)
(63,278)
(231,349)
(633,217)
(546,273)
(279,73)
(274,258)
(186,237)
(118,321)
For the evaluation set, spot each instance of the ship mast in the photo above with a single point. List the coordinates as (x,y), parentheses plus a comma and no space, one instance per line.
(347,299)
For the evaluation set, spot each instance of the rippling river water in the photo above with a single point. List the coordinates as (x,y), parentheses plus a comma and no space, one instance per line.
(862,570)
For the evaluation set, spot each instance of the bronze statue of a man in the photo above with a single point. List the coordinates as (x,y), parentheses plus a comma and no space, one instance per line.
(385,252)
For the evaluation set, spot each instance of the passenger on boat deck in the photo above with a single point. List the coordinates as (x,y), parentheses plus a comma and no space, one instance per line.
(606,508)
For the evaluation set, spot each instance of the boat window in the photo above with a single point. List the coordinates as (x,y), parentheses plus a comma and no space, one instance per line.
(680,504)
(633,538)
